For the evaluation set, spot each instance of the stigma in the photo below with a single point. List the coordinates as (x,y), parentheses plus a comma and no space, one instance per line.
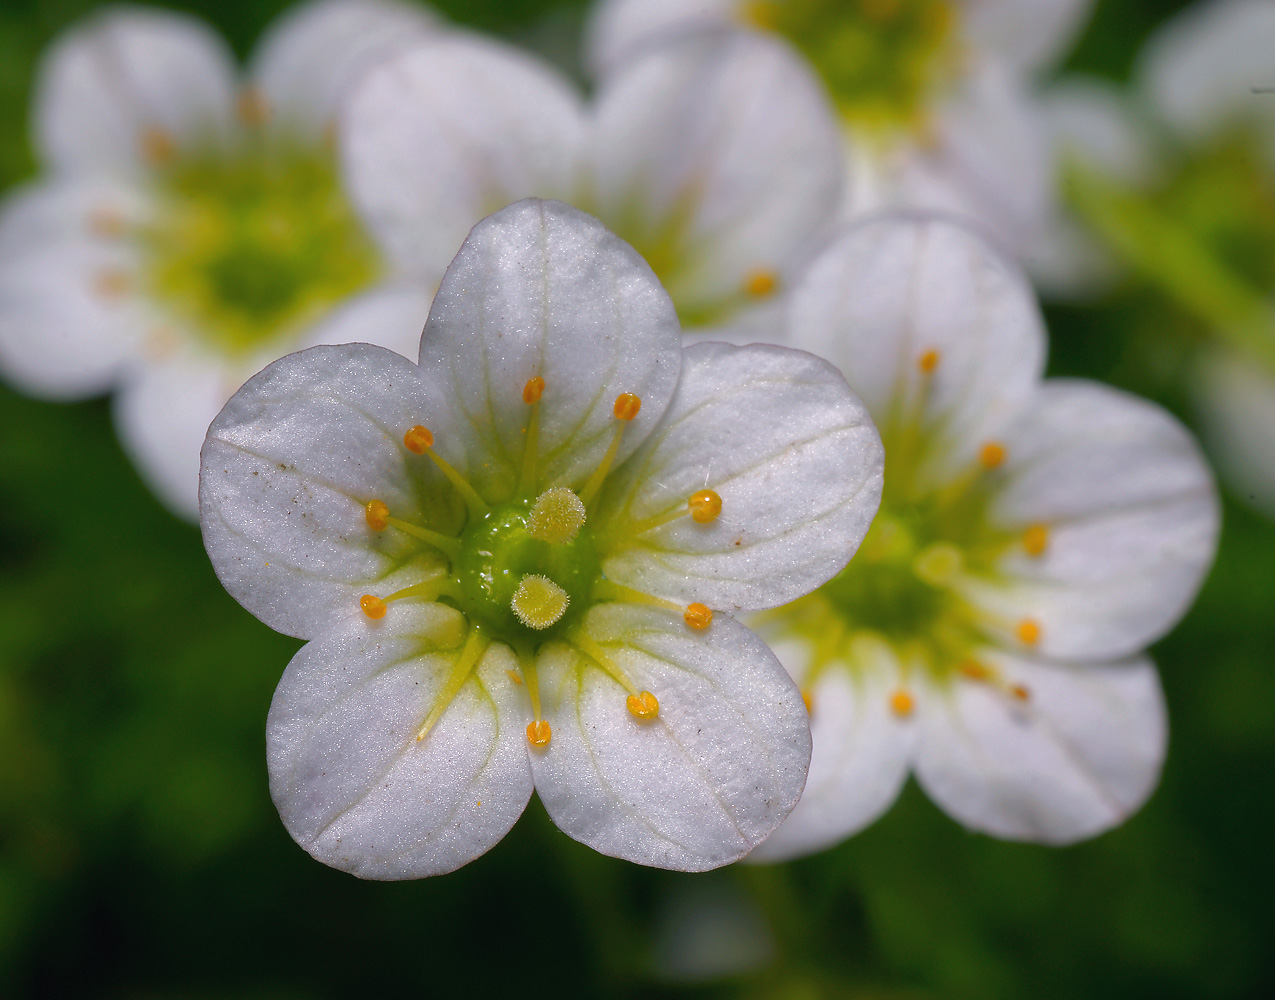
(557,517)
(539,602)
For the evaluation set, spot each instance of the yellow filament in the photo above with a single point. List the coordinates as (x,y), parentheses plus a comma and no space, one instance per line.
(599,656)
(538,731)
(600,473)
(557,516)
(420,441)
(378,519)
(475,645)
(539,602)
(643,705)
(531,393)
(606,590)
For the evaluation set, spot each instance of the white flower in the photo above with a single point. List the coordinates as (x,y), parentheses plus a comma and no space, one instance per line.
(505,559)
(1033,538)
(190,228)
(934,94)
(718,159)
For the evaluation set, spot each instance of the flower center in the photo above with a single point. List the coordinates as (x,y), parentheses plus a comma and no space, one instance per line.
(248,247)
(882,60)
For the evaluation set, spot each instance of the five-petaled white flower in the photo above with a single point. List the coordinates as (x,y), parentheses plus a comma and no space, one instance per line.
(935,95)
(191,229)
(1033,538)
(508,561)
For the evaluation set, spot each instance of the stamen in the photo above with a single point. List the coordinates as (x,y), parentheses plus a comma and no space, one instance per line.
(378,515)
(939,564)
(533,390)
(158,147)
(107,223)
(538,731)
(112,283)
(531,393)
(378,519)
(556,517)
(475,645)
(598,655)
(1036,539)
(252,107)
(606,590)
(372,606)
(1019,693)
(928,361)
(643,705)
(902,704)
(761,284)
(420,441)
(704,506)
(626,409)
(809,700)
(974,671)
(991,455)
(1028,632)
(698,616)
(539,602)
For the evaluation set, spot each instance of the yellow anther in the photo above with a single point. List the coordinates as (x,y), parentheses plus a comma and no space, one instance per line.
(158,147)
(1028,632)
(991,455)
(372,606)
(539,733)
(1019,693)
(809,701)
(378,515)
(418,440)
(974,671)
(761,283)
(698,616)
(533,390)
(902,704)
(643,704)
(112,283)
(556,517)
(514,677)
(939,564)
(252,107)
(539,602)
(928,361)
(1036,539)
(704,506)
(627,406)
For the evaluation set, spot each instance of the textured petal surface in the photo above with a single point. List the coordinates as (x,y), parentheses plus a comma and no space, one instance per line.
(543,289)
(618,28)
(704,782)
(719,158)
(892,290)
(1132,517)
(312,56)
(861,749)
(288,466)
(1078,757)
(794,457)
(111,86)
(450,131)
(353,784)
(1236,401)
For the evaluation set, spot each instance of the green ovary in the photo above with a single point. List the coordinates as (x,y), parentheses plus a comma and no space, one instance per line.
(250,248)
(497,553)
(882,60)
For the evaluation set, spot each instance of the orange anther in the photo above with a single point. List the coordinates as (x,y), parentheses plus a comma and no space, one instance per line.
(1028,632)
(514,677)
(761,283)
(1019,693)
(705,506)
(158,147)
(973,670)
(902,703)
(1036,539)
(112,283)
(627,406)
(252,107)
(991,454)
(810,702)
(928,361)
(418,440)
(533,390)
(643,705)
(107,223)
(698,616)
(539,733)
(378,515)
(372,606)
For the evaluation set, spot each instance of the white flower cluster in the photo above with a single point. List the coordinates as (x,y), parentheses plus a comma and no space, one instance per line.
(519,560)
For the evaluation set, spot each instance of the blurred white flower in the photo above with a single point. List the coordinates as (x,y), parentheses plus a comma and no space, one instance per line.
(718,159)
(505,559)
(191,228)
(1033,538)
(935,95)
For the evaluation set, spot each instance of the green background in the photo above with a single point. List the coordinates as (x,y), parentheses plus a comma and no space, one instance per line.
(140,854)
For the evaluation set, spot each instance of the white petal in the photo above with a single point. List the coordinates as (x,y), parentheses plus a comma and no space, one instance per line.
(288,466)
(616,29)
(314,54)
(450,131)
(1025,34)
(543,289)
(861,749)
(70,315)
(893,289)
(1132,515)
(389,315)
(719,158)
(110,80)
(162,413)
(1198,70)
(703,783)
(355,787)
(794,457)
(1080,755)
(1236,400)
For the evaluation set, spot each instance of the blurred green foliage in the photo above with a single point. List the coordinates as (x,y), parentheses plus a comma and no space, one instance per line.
(140,854)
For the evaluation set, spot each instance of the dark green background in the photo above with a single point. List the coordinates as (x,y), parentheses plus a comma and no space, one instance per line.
(140,854)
